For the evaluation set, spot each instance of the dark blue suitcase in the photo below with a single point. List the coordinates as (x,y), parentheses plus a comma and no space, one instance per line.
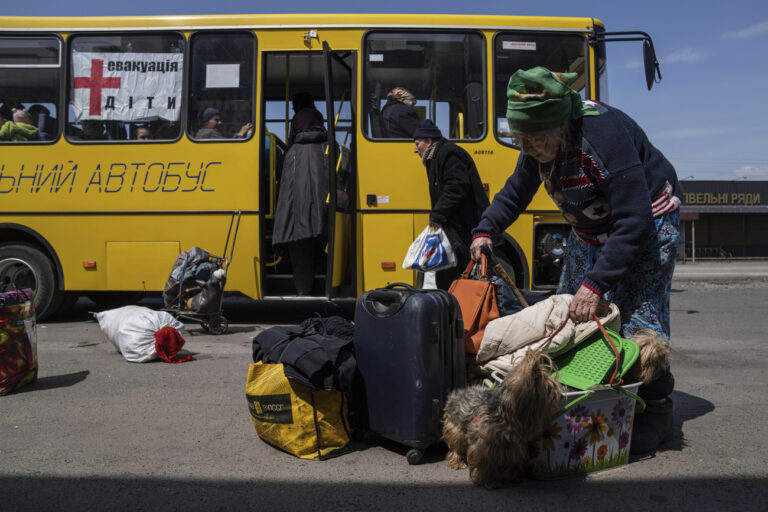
(410,354)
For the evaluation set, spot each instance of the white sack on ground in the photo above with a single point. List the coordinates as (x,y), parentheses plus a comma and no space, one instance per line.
(131,329)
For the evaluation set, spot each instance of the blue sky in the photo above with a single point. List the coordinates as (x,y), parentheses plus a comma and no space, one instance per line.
(708,115)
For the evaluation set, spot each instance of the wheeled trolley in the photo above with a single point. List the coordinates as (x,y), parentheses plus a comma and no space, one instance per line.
(195,289)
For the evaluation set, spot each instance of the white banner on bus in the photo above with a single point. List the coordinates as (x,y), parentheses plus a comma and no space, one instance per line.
(127,86)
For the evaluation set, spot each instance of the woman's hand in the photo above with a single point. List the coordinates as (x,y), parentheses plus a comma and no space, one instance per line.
(584,305)
(244,129)
(476,249)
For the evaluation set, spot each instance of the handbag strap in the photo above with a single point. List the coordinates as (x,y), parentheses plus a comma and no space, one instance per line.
(483,267)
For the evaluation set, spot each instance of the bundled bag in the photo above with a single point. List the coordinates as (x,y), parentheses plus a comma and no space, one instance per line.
(142,334)
(18,340)
(305,422)
(478,302)
(430,251)
(296,386)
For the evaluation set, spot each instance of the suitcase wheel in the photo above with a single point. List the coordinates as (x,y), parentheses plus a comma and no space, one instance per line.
(414,456)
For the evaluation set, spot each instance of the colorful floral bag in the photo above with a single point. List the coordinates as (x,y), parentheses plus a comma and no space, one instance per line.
(18,340)
(591,432)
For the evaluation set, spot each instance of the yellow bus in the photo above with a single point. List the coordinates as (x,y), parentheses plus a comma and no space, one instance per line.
(122,173)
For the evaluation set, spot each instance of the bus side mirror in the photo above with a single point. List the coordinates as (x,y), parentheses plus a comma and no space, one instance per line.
(651,64)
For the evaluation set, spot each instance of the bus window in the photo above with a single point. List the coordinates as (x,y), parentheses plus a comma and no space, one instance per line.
(524,50)
(29,83)
(221,85)
(123,86)
(414,76)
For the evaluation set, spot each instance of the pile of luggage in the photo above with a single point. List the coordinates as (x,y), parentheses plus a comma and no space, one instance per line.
(421,366)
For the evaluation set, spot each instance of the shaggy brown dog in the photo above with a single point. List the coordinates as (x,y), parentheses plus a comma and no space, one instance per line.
(489,429)
(654,354)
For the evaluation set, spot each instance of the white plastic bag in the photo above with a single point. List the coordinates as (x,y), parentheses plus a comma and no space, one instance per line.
(430,281)
(430,251)
(132,330)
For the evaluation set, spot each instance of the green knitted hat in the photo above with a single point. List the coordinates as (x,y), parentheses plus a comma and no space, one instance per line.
(539,99)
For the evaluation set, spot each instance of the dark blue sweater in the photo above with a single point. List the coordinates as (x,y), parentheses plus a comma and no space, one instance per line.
(609,189)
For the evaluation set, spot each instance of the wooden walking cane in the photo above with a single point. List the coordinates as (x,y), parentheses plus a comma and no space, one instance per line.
(499,269)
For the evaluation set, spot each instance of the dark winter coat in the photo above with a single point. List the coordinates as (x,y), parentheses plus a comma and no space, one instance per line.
(301,211)
(400,120)
(456,192)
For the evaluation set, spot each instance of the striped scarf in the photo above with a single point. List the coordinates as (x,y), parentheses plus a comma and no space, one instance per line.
(429,153)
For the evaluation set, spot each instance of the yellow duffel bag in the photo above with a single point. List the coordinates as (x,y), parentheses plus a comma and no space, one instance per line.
(305,422)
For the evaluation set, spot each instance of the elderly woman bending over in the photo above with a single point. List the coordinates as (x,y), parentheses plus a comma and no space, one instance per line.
(621,197)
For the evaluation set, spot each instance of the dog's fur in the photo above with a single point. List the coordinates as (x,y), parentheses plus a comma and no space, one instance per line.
(489,429)
(654,355)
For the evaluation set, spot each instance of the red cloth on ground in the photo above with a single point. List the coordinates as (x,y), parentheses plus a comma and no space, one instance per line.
(168,342)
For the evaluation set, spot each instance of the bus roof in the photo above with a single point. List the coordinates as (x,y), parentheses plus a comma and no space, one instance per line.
(292,21)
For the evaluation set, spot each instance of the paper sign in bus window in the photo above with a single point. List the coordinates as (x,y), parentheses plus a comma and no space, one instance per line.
(519,45)
(222,76)
(126,86)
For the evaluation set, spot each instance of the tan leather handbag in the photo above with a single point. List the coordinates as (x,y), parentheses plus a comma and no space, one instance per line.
(478,303)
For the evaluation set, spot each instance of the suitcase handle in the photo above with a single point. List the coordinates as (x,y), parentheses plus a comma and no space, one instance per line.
(392,286)
(385,302)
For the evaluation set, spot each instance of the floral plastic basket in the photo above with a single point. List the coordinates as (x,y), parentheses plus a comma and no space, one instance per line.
(591,432)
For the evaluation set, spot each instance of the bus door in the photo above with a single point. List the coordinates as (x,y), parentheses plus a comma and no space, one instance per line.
(307,240)
(340,117)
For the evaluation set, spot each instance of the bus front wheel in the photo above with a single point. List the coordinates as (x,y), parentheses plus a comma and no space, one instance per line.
(25,266)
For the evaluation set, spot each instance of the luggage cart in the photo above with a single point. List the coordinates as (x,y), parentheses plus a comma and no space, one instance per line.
(200,301)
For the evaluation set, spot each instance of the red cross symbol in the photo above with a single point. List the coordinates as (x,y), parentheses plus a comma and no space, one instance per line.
(96,82)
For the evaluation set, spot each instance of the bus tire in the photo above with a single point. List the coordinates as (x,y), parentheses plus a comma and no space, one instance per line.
(25,266)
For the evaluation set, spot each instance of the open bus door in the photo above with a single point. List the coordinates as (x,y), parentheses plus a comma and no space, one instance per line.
(328,77)
(339,80)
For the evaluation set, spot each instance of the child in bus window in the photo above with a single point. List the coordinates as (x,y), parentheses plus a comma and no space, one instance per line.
(143,133)
(20,128)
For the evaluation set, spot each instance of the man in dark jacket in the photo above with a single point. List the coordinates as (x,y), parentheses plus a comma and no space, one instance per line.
(456,192)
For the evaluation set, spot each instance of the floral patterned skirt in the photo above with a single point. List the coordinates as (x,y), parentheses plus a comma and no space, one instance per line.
(642,295)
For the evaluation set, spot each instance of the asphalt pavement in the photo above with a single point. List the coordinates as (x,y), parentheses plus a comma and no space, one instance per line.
(98,433)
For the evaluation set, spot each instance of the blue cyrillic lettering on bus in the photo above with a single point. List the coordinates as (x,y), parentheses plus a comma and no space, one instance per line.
(112,174)
(196,177)
(22,176)
(97,181)
(169,174)
(3,177)
(205,173)
(159,179)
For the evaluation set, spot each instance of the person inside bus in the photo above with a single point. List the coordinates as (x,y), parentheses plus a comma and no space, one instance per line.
(143,133)
(621,197)
(400,119)
(19,127)
(41,117)
(212,126)
(301,213)
(306,117)
(455,191)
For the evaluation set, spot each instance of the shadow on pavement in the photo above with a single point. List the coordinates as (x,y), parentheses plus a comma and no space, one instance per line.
(42,493)
(54,381)
(237,310)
